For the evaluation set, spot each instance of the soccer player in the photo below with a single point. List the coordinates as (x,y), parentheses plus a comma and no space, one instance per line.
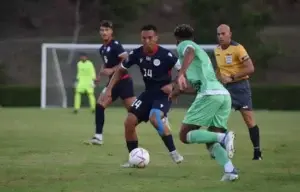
(233,69)
(155,63)
(212,105)
(113,54)
(85,82)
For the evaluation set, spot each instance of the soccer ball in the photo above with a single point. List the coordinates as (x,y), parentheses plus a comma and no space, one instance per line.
(139,157)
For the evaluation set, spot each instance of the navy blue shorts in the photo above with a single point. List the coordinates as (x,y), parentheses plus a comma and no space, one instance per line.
(241,96)
(148,100)
(123,89)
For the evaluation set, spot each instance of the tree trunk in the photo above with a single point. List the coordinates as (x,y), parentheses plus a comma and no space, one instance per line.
(76,32)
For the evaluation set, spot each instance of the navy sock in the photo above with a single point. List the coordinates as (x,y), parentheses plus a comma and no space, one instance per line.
(131,145)
(169,143)
(99,118)
(254,136)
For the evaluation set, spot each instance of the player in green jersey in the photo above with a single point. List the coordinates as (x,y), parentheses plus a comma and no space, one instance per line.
(212,105)
(85,78)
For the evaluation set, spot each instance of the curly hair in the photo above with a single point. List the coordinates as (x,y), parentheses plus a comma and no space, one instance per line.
(184,31)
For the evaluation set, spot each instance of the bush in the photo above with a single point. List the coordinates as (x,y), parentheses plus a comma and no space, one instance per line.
(264,97)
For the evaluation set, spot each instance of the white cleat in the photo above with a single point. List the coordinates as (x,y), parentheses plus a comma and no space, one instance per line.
(228,142)
(94,141)
(127,165)
(233,176)
(176,157)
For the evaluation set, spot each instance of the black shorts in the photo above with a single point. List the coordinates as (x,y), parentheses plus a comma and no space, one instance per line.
(123,89)
(148,100)
(241,95)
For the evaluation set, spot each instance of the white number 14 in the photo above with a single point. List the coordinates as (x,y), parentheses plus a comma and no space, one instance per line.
(147,72)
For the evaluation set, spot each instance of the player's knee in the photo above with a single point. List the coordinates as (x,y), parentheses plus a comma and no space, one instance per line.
(155,118)
(248,117)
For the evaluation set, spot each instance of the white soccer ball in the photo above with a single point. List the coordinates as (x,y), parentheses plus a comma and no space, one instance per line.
(139,157)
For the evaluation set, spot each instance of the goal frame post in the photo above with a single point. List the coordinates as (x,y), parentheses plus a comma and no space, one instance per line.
(71,46)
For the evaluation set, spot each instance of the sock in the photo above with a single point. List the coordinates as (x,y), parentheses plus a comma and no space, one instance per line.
(92,101)
(77,101)
(169,142)
(99,118)
(131,145)
(99,136)
(203,136)
(254,136)
(221,157)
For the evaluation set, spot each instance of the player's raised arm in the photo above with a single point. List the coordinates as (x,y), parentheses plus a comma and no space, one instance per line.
(244,58)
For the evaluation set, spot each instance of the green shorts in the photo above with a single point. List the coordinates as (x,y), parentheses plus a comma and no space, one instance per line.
(209,110)
(84,89)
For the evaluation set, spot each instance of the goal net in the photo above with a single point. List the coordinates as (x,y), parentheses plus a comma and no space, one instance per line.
(58,70)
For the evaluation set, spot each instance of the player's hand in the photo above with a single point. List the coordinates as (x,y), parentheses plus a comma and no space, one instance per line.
(97,80)
(107,71)
(181,81)
(225,79)
(167,88)
(173,96)
(106,95)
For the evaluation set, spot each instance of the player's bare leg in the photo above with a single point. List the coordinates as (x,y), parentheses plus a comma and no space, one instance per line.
(249,120)
(214,141)
(157,120)
(130,135)
(99,120)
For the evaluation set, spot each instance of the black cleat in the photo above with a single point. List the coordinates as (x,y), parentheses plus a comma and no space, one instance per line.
(75,111)
(257,155)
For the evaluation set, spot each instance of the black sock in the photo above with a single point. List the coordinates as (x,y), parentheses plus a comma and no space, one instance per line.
(99,118)
(169,143)
(254,136)
(131,145)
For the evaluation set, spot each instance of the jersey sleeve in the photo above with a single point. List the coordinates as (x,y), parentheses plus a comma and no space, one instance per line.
(242,53)
(131,60)
(78,71)
(173,61)
(92,71)
(119,49)
(181,48)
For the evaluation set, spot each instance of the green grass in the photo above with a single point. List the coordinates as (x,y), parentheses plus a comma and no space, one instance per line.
(42,151)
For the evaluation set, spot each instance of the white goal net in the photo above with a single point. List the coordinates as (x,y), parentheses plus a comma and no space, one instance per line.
(58,70)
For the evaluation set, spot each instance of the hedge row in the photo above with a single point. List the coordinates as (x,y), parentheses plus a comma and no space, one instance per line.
(264,97)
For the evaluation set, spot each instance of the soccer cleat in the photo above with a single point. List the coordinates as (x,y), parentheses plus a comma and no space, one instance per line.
(176,157)
(94,141)
(127,165)
(75,111)
(257,155)
(232,176)
(228,143)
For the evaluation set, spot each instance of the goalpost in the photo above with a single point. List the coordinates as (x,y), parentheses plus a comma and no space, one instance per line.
(58,75)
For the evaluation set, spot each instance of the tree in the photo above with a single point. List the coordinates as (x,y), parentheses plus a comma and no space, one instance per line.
(246,18)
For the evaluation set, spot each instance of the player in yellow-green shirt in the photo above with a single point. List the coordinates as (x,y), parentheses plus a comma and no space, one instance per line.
(85,78)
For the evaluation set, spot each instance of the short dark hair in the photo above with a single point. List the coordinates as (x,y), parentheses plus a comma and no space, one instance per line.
(106,23)
(184,31)
(149,27)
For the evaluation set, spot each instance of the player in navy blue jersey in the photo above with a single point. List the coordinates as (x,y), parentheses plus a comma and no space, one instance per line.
(113,54)
(153,104)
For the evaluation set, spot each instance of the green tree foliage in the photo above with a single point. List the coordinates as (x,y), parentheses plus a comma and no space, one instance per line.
(246,18)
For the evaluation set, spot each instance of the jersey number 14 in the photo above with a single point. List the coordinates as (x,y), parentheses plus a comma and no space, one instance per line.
(147,72)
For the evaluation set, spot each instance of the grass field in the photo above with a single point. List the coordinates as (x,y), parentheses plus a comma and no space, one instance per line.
(43,151)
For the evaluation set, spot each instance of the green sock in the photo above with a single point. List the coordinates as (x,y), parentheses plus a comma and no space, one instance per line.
(92,101)
(77,101)
(220,154)
(202,136)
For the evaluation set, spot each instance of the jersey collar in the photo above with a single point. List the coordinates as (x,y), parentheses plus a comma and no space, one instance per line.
(108,42)
(155,49)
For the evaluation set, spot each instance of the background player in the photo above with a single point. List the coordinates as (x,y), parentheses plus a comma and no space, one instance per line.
(113,54)
(155,64)
(85,78)
(234,67)
(212,105)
